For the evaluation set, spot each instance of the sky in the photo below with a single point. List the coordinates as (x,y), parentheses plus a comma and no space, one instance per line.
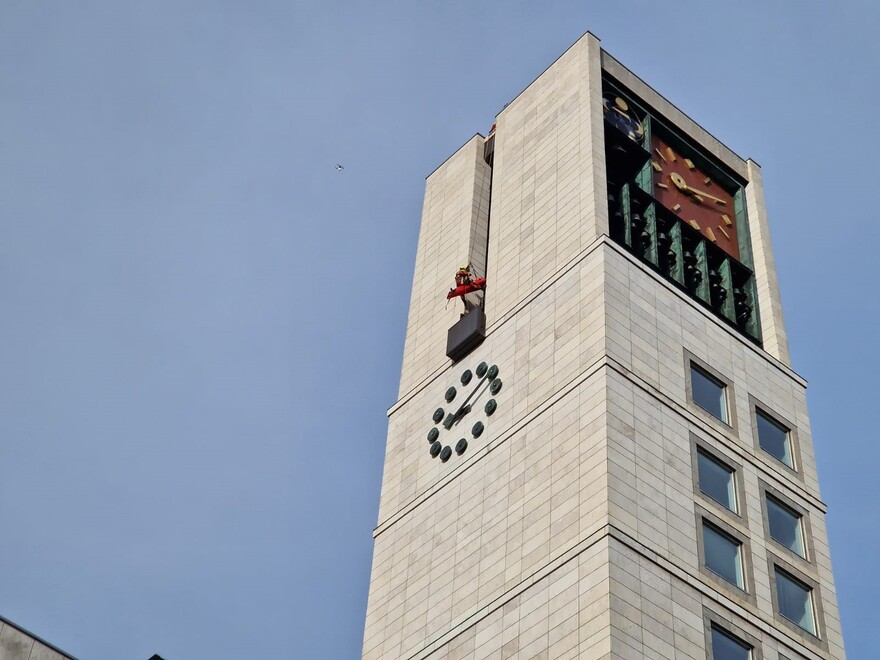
(202,321)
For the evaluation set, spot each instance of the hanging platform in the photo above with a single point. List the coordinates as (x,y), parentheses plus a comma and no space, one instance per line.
(467,334)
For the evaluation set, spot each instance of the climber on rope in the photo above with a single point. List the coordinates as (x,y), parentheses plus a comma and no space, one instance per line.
(465,283)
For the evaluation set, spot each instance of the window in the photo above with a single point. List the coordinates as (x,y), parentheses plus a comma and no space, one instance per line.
(716,480)
(795,600)
(774,438)
(709,393)
(785,526)
(727,647)
(723,554)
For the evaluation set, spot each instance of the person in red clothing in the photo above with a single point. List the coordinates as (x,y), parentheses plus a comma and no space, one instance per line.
(463,276)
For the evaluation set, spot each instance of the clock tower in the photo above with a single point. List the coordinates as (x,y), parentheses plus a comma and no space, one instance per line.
(606,453)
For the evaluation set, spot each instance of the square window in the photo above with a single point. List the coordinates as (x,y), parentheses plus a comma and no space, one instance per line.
(723,554)
(795,601)
(774,438)
(785,526)
(716,480)
(727,647)
(709,393)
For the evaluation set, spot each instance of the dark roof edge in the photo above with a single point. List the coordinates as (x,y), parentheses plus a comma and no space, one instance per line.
(36,637)
(615,61)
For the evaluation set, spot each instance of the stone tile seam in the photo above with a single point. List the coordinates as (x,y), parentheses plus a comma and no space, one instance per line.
(774,362)
(564,270)
(509,315)
(540,75)
(480,612)
(504,435)
(695,581)
(732,444)
(729,442)
(454,153)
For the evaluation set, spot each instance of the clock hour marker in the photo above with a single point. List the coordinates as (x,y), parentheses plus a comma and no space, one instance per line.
(724,231)
(662,185)
(677,207)
(690,164)
(726,220)
(671,154)
(657,166)
(711,235)
(660,154)
(694,224)
(707,181)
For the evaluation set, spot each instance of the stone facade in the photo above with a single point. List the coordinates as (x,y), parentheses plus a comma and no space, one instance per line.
(18,644)
(572,527)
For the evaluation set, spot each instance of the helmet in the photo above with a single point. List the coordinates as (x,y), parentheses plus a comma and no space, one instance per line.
(465,267)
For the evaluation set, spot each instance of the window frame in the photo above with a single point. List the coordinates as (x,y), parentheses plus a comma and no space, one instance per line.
(748,648)
(734,542)
(691,361)
(724,624)
(757,406)
(806,528)
(700,446)
(744,594)
(816,639)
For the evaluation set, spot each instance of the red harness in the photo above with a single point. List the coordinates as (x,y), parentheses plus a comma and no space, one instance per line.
(477,285)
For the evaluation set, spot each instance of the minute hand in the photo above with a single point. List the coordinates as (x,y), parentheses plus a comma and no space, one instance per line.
(694,191)
(464,404)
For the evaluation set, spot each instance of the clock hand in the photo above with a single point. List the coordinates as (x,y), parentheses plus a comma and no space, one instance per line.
(682,185)
(464,404)
(694,191)
(679,182)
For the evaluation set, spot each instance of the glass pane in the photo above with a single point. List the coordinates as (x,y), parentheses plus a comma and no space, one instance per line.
(774,439)
(708,393)
(785,526)
(722,555)
(725,647)
(795,601)
(716,480)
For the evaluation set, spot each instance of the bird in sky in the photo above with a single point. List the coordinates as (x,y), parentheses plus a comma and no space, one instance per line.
(339,167)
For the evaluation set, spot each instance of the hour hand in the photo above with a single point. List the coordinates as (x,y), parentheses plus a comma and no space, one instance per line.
(452,418)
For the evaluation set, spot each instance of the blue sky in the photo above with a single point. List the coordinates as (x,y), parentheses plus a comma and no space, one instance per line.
(201,321)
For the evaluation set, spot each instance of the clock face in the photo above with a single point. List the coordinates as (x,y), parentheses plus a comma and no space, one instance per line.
(465,412)
(620,115)
(694,196)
